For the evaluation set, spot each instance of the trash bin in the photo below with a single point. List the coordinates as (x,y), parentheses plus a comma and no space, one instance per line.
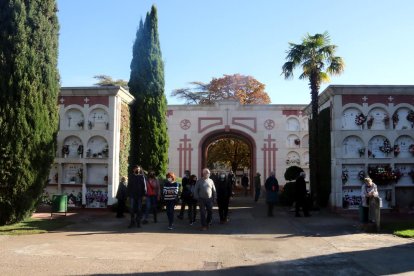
(59,204)
(363,214)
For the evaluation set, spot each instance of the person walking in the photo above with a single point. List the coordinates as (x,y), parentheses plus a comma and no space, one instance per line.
(245,183)
(192,202)
(231,178)
(205,193)
(121,196)
(170,192)
(184,193)
(257,186)
(153,196)
(300,195)
(224,190)
(137,189)
(272,190)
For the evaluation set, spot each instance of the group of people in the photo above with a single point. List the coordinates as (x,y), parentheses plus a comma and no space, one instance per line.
(193,192)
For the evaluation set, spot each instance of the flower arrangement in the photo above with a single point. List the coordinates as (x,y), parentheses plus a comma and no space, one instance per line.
(411,149)
(105,151)
(90,125)
(382,174)
(386,119)
(89,153)
(65,150)
(397,174)
(396,150)
(395,119)
(297,142)
(361,175)
(293,161)
(410,117)
(80,124)
(97,196)
(370,121)
(80,149)
(360,119)
(80,174)
(361,152)
(386,148)
(344,176)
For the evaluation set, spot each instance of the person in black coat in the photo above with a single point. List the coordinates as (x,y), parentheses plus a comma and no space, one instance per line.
(184,194)
(245,183)
(272,190)
(224,192)
(121,196)
(300,195)
(137,189)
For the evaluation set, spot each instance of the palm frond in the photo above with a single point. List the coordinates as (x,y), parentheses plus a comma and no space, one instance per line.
(287,69)
(336,67)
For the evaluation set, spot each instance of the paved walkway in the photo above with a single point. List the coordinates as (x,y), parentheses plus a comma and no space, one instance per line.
(250,244)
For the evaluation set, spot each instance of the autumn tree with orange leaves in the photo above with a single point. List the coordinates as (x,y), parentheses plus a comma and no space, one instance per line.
(245,89)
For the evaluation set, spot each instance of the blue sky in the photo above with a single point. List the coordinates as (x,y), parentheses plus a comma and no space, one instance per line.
(205,39)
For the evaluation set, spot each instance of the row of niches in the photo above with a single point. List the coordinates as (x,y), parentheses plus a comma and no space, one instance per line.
(378,147)
(377,119)
(351,197)
(381,174)
(293,124)
(293,158)
(74,119)
(96,147)
(293,141)
(72,173)
(95,197)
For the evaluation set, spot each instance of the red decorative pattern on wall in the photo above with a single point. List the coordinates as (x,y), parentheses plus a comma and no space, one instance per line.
(249,123)
(184,151)
(373,99)
(269,155)
(208,122)
(82,100)
(292,112)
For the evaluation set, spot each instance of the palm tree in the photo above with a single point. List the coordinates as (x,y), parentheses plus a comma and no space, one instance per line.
(317,58)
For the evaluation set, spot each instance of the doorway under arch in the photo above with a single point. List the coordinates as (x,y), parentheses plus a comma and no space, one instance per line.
(223,134)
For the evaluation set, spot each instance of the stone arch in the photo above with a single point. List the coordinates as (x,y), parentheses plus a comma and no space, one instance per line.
(98,117)
(70,146)
(293,159)
(293,141)
(402,146)
(233,133)
(97,147)
(348,118)
(399,118)
(353,147)
(292,124)
(73,118)
(378,118)
(376,147)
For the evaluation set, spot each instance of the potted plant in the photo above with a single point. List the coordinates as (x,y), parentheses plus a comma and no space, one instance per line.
(80,124)
(360,119)
(386,148)
(65,151)
(396,150)
(361,152)
(410,117)
(297,141)
(395,119)
(80,151)
(344,176)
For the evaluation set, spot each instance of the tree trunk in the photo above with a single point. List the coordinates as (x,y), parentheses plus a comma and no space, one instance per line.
(313,146)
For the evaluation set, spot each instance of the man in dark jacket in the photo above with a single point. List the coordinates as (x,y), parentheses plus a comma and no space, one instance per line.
(137,189)
(272,190)
(300,195)
(224,192)
(184,194)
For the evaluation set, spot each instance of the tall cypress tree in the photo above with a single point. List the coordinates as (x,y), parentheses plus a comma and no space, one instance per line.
(149,137)
(29,87)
